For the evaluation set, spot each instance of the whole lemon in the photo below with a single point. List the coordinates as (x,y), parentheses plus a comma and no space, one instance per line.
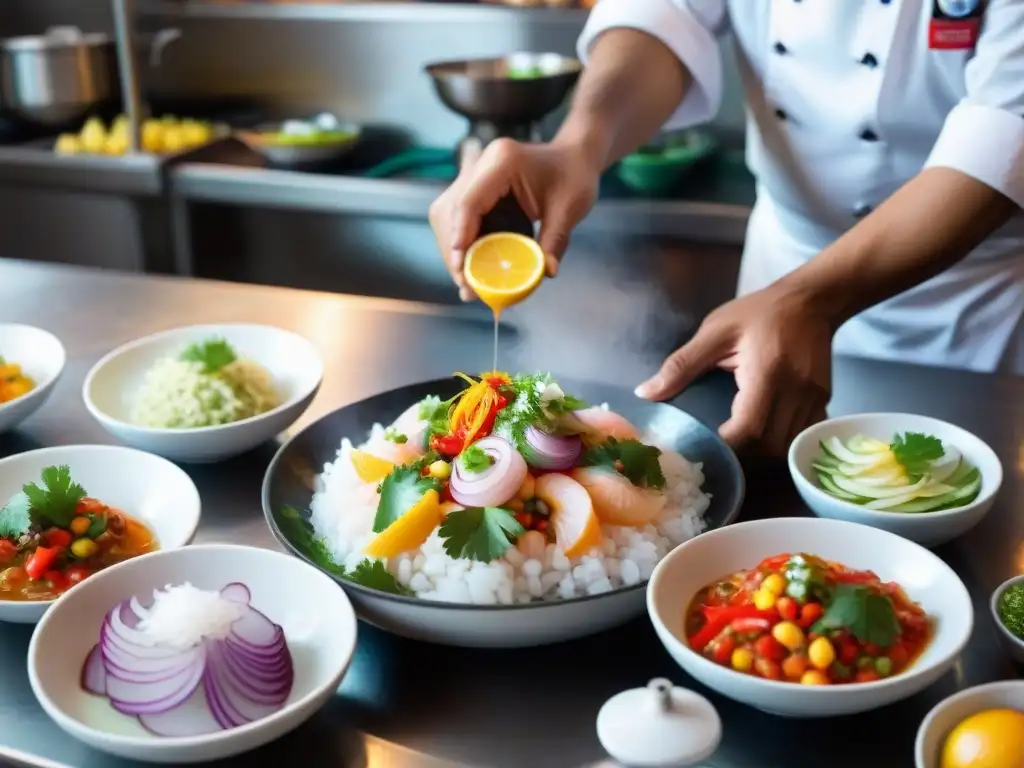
(990,739)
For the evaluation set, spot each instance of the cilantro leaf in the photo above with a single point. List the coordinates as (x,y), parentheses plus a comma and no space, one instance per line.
(434,411)
(479,533)
(868,615)
(475,459)
(566,404)
(368,573)
(373,575)
(213,354)
(299,532)
(631,458)
(401,489)
(54,503)
(395,436)
(15,517)
(916,452)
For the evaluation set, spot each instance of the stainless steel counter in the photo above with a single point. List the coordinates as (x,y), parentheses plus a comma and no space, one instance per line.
(410,704)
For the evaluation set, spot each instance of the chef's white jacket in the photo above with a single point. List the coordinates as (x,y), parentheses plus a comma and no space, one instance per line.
(846,102)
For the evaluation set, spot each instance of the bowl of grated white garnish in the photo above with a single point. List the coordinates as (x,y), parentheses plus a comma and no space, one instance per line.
(204,393)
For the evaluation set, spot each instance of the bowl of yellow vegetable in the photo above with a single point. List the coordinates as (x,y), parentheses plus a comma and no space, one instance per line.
(31,361)
(918,477)
(982,726)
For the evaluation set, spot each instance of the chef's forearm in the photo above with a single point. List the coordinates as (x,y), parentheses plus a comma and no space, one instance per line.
(929,224)
(631,86)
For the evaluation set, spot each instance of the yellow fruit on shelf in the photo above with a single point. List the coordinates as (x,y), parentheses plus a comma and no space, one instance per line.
(410,530)
(990,739)
(67,144)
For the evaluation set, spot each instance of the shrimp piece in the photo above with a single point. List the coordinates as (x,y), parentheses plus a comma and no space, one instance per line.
(597,425)
(616,500)
(577,529)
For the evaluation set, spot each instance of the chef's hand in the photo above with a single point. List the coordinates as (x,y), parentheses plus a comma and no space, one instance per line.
(554,183)
(780,351)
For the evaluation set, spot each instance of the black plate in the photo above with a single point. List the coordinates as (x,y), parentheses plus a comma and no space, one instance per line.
(289,481)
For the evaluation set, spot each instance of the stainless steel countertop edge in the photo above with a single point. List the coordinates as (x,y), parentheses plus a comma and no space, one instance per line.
(213,183)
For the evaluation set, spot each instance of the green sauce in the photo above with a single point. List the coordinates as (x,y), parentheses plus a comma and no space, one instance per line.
(1011,609)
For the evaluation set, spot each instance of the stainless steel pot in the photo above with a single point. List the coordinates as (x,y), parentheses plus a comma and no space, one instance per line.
(63,75)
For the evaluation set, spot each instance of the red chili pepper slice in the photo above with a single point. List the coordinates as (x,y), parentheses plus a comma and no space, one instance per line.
(40,561)
(751,624)
(721,616)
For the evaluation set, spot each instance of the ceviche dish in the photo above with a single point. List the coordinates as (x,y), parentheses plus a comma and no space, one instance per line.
(912,473)
(207,384)
(53,535)
(191,662)
(801,619)
(511,491)
(13,381)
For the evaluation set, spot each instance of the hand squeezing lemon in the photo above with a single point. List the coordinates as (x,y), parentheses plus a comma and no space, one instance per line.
(503,269)
(990,739)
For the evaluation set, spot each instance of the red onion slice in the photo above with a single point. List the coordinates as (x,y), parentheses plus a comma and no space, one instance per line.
(548,452)
(221,683)
(147,698)
(236,593)
(496,484)
(193,717)
(94,675)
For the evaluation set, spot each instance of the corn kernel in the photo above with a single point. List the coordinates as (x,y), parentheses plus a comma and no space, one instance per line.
(764,600)
(821,653)
(440,470)
(813,677)
(742,660)
(775,584)
(789,635)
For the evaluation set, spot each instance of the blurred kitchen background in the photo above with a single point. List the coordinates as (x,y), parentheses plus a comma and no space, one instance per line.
(225,196)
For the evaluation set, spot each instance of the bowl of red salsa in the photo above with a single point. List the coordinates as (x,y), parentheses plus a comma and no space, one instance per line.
(67,513)
(808,617)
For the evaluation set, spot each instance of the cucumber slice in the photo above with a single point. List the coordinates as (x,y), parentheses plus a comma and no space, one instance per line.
(833,489)
(961,475)
(866,445)
(858,489)
(836,448)
(959,497)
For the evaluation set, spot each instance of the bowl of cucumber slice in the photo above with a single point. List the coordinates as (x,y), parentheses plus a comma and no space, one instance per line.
(918,477)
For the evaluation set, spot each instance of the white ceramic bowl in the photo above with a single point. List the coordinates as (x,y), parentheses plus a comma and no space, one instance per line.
(948,713)
(41,356)
(927,528)
(317,618)
(144,486)
(113,384)
(1012,644)
(700,561)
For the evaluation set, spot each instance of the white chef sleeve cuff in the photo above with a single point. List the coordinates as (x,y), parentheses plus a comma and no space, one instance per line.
(675,25)
(986,143)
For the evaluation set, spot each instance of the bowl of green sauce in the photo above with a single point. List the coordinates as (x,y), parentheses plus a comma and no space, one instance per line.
(1008,612)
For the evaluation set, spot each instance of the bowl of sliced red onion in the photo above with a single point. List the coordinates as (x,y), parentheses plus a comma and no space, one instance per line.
(194,654)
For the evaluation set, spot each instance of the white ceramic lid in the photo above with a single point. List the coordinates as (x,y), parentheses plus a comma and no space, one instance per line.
(660,725)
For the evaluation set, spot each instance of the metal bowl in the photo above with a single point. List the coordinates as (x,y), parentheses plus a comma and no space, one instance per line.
(259,141)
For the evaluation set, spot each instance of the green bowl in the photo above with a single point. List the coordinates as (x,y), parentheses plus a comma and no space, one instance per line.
(658,170)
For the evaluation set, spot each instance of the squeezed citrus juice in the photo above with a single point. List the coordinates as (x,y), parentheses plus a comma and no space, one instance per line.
(503,269)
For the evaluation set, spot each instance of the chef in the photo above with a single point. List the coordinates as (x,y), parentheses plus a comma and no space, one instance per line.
(887,140)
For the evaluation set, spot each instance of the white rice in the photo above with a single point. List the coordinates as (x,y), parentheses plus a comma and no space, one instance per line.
(344,506)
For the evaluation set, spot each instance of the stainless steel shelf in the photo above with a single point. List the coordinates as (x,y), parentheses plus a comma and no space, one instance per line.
(367,10)
(410,199)
(133,175)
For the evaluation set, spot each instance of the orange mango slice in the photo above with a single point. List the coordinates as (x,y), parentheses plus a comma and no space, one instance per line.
(410,530)
(370,468)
